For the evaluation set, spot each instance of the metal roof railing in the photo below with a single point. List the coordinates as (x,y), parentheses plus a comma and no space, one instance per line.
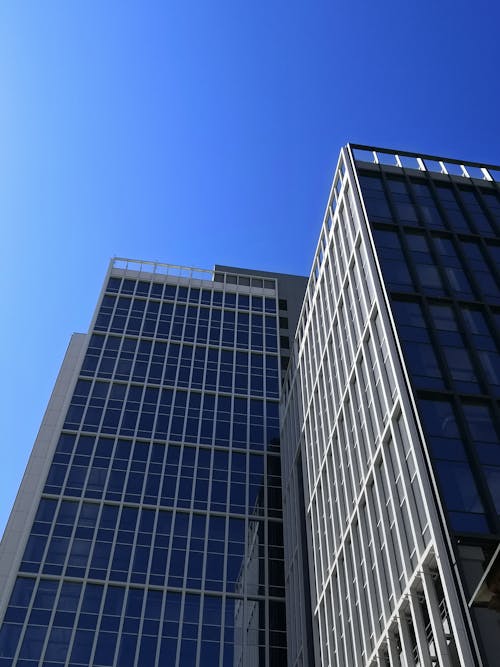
(424,162)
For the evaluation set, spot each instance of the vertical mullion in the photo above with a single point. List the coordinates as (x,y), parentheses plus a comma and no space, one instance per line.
(435,619)
(419,628)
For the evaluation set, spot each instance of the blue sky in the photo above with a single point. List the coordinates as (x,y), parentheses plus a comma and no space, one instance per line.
(201,132)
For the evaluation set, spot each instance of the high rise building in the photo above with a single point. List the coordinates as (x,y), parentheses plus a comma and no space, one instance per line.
(391,420)
(148,526)
(148,529)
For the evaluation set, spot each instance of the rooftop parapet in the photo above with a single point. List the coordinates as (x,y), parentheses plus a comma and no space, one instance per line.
(423,162)
(136,267)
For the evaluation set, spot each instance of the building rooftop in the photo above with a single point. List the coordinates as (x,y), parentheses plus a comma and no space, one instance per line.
(424,162)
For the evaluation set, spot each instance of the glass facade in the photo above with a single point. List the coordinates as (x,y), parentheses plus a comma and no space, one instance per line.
(438,242)
(158,536)
(390,418)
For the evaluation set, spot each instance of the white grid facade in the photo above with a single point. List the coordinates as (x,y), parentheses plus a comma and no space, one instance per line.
(155,535)
(382,591)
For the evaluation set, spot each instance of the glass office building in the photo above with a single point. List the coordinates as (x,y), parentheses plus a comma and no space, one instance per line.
(391,420)
(148,527)
(161,522)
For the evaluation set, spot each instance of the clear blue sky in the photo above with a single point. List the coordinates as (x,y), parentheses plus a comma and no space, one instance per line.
(202,132)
